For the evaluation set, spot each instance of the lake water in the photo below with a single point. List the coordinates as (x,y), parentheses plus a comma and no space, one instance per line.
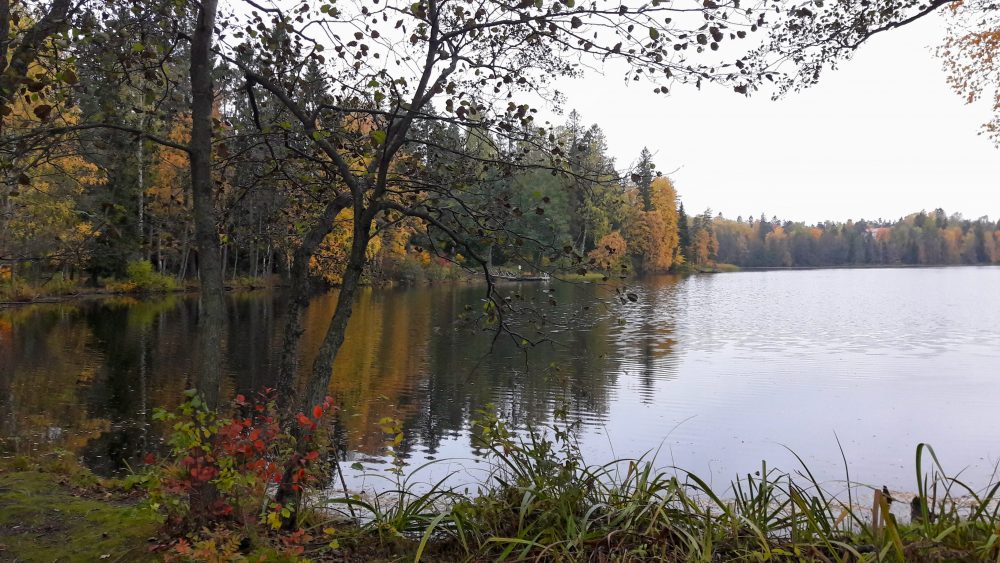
(715,372)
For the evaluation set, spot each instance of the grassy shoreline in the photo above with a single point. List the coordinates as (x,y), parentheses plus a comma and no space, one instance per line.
(541,502)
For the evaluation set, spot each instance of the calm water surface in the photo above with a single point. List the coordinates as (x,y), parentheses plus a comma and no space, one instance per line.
(715,373)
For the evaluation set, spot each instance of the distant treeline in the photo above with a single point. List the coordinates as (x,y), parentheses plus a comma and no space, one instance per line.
(922,238)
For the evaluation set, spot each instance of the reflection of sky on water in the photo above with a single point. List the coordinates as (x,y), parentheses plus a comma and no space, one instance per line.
(715,372)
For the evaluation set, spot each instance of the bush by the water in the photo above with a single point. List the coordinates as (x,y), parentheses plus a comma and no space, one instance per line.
(214,486)
(24,290)
(143,279)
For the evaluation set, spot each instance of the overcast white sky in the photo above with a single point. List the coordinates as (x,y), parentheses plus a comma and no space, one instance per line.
(881,137)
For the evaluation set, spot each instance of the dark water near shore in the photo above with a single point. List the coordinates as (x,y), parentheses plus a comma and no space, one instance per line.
(715,372)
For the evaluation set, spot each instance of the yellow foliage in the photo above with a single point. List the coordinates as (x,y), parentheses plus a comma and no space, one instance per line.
(652,235)
(172,166)
(46,219)
(704,245)
(330,259)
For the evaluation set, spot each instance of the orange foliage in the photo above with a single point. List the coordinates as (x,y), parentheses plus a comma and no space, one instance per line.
(609,252)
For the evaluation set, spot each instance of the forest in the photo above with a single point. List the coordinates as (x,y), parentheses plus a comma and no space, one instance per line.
(112,210)
(100,192)
(115,211)
(918,239)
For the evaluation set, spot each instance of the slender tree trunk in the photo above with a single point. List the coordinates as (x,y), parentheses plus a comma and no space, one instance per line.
(185,254)
(298,300)
(209,264)
(322,370)
(160,262)
(255,261)
(211,321)
(141,173)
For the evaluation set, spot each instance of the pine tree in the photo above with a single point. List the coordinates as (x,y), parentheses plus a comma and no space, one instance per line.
(643,177)
(683,232)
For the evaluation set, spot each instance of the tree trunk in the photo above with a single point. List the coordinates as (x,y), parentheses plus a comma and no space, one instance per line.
(298,299)
(202,188)
(141,157)
(322,371)
(160,262)
(185,254)
(211,321)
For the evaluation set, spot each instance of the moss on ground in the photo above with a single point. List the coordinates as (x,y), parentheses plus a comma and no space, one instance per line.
(49,517)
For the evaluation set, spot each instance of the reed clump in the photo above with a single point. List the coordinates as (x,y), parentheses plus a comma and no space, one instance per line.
(541,502)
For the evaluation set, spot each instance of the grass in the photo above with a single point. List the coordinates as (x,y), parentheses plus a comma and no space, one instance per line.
(591,277)
(726,268)
(250,283)
(20,290)
(540,501)
(713,268)
(53,510)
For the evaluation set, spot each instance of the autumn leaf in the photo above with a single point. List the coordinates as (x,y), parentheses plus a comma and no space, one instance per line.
(42,111)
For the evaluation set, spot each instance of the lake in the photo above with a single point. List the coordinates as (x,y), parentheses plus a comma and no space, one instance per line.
(713,372)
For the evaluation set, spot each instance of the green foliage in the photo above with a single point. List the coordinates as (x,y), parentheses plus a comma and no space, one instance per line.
(142,279)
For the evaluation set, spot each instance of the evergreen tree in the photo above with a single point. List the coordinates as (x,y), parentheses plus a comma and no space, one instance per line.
(643,177)
(683,232)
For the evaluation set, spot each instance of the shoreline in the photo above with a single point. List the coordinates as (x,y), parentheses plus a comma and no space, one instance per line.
(863,267)
(96,293)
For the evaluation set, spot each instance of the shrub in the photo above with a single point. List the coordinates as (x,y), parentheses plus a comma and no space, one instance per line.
(22,290)
(236,459)
(142,278)
(18,290)
(251,283)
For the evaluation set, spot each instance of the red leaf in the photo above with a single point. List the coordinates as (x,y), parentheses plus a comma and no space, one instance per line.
(317,412)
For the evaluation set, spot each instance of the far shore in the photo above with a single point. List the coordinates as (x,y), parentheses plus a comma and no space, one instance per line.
(862,267)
